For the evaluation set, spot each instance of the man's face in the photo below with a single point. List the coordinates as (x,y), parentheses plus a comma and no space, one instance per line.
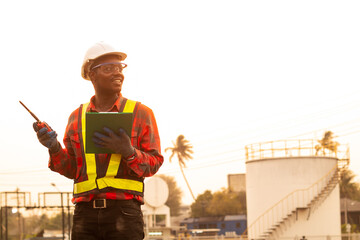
(107,82)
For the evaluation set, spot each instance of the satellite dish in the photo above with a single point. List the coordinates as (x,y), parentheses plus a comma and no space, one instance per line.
(156,192)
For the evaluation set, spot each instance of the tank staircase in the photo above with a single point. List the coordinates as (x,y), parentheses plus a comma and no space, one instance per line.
(300,203)
(286,221)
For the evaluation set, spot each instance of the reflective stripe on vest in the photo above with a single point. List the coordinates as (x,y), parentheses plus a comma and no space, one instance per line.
(109,180)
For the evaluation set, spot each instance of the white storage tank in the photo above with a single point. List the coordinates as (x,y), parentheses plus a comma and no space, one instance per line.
(292,190)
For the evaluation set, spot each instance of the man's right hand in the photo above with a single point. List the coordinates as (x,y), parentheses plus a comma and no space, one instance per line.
(47,137)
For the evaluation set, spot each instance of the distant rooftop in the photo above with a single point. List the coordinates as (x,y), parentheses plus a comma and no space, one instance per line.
(351,205)
(234,217)
(211,219)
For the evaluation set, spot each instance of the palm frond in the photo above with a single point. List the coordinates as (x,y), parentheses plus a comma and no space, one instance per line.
(171,156)
(168,148)
(187,156)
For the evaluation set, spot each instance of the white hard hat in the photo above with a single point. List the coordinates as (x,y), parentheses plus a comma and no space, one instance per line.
(96,51)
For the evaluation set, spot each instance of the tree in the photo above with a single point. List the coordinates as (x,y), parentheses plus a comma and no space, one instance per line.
(327,142)
(55,222)
(175,194)
(220,203)
(348,188)
(225,202)
(201,205)
(35,224)
(183,150)
(351,190)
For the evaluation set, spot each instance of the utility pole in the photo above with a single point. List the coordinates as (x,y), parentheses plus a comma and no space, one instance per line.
(18,213)
(62,209)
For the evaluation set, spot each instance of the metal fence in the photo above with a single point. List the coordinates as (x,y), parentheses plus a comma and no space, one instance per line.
(294,148)
(17,208)
(345,236)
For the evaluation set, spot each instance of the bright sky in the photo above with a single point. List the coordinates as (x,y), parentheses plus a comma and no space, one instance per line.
(222,73)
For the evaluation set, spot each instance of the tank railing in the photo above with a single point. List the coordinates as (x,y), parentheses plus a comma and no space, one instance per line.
(300,198)
(344,160)
(292,148)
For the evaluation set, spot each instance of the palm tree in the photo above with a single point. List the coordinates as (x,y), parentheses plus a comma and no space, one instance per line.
(183,150)
(327,142)
(349,188)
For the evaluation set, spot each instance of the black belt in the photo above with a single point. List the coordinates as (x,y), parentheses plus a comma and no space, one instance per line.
(106,203)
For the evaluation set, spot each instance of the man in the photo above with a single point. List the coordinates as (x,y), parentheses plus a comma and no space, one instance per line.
(108,188)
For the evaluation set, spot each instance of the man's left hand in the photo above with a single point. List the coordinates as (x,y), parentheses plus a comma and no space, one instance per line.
(119,143)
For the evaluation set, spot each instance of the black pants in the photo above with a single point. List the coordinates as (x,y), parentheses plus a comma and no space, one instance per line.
(120,220)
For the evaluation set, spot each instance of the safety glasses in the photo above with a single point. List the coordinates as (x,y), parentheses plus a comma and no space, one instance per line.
(110,67)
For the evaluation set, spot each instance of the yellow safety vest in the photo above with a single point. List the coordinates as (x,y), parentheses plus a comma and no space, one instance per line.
(109,179)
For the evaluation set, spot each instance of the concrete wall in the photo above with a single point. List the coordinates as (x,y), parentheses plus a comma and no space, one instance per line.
(236,182)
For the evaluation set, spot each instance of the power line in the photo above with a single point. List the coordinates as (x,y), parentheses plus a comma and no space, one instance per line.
(23,171)
(300,120)
(222,162)
(219,161)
